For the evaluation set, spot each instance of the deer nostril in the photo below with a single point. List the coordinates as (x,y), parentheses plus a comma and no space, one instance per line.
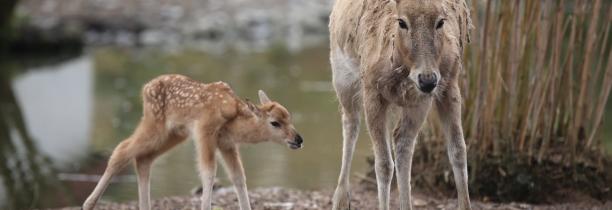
(428,78)
(298,139)
(427,82)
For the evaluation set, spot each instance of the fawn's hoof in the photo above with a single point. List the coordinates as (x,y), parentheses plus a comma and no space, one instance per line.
(341,200)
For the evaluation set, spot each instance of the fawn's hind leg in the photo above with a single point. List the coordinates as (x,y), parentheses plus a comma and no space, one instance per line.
(143,166)
(126,151)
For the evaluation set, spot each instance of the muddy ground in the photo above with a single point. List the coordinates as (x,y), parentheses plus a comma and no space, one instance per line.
(281,199)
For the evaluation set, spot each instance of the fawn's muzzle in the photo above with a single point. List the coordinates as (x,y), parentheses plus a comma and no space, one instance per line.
(427,82)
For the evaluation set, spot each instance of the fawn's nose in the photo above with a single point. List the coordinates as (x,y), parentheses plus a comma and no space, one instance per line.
(427,82)
(298,139)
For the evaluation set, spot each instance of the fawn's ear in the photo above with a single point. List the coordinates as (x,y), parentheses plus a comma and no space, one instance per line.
(250,109)
(263,98)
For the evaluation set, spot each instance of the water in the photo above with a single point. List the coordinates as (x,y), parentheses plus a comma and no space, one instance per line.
(72,113)
(78,110)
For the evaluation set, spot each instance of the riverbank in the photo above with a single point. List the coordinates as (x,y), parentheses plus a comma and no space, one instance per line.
(281,199)
(213,26)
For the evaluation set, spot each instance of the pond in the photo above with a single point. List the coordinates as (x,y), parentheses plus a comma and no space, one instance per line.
(77,110)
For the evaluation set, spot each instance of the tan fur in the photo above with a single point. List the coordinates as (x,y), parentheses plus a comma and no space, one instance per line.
(378,64)
(176,107)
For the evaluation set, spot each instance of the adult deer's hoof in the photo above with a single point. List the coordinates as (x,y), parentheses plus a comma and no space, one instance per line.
(341,200)
(87,207)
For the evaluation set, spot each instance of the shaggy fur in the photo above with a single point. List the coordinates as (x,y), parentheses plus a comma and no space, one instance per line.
(381,53)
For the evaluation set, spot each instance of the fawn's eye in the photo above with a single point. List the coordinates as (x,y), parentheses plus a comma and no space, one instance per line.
(440,23)
(402,24)
(275,124)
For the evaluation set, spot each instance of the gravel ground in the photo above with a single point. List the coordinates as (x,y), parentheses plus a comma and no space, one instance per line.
(282,199)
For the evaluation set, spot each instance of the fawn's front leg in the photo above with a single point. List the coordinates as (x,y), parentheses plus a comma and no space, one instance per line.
(449,109)
(404,136)
(233,166)
(143,169)
(206,145)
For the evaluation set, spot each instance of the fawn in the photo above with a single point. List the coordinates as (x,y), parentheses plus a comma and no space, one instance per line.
(405,54)
(176,107)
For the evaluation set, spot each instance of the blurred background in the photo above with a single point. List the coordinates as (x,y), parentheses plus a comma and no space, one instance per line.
(536,84)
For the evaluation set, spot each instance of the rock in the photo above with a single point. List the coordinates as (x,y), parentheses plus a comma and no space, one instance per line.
(419,202)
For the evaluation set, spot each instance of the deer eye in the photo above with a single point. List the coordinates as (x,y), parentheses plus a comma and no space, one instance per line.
(275,124)
(440,23)
(402,24)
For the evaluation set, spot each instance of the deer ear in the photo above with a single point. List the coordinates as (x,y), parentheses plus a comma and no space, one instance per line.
(250,108)
(263,98)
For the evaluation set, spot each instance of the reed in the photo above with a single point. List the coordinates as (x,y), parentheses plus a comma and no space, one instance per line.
(537,78)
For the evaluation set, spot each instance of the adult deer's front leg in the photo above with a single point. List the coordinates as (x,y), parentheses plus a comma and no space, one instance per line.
(404,136)
(375,111)
(234,168)
(350,131)
(351,109)
(449,108)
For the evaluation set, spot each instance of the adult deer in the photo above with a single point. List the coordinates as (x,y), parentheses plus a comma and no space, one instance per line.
(406,54)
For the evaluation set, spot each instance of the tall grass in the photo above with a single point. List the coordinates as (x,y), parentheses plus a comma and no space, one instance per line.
(536,80)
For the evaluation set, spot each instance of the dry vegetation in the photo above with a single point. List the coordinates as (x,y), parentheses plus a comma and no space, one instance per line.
(536,81)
